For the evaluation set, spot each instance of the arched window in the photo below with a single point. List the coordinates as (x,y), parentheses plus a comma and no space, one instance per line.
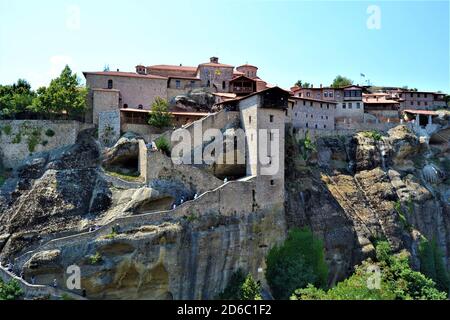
(110,84)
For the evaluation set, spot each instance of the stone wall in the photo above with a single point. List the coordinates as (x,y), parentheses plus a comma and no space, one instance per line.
(108,127)
(104,100)
(21,138)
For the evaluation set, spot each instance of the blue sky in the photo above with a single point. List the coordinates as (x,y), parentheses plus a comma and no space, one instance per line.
(289,40)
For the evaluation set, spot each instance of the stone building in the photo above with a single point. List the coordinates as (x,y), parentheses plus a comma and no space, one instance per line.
(420,100)
(307,113)
(348,101)
(382,106)
(111,91)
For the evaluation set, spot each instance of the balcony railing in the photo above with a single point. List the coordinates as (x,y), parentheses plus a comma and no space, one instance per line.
(241,89)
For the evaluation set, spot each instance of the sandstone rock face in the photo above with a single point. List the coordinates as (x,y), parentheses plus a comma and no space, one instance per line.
(389,193)
(61,209)
(124,154)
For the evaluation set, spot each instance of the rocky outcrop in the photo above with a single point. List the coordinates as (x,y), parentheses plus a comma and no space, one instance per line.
(124,155)
(355,191)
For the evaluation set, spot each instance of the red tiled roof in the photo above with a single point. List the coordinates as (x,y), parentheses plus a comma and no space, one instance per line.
(175,113)
(424,112)
(173,68)
(182,77)
(248,65)
(124,74)
(314,100)
(212,64)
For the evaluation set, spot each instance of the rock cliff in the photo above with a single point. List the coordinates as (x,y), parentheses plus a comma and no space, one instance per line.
(60,208)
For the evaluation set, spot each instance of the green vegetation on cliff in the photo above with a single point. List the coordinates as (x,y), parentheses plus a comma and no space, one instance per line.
(432,264)
(389,278)
(295,264)
(241,288)
(10,290)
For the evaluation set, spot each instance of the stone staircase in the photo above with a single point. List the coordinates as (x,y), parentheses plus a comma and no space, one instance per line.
(31,291)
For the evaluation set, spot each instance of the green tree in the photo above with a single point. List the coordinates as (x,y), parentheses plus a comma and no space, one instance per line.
(307,146)
(295,264)
(159,115)
(64,95)
(341,81)
(10,290)
(233,289)
(250,289)
(397,282)
(302,84)
(16,98)
(432,264)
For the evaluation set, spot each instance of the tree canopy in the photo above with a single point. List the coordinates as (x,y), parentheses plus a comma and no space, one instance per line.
(64,95)
(302,84)
(341,81)
(295,264)
(397,281)
(159,116)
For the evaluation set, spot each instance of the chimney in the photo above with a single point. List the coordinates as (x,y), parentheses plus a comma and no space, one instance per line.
(118,70)
(320,86)
(214,60)
(140,69)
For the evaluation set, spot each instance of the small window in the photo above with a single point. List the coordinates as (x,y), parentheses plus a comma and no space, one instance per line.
(312,116)
(310,103)
(250,119)
(425,95)
(328,106)
(308,94)
(271,118)
(178,84)
(224,85)
(418,103)
(324,126)
(331,94)
(326,117)
(315,126)
(412,102)
(192,83)
(272,182)
(358,105)
(110,84)
(208,83)
(321,106)
(125,106)
(349,105)
(304,102)
(140,107)
(325,94)
(426,103)
(307,124)
(344,106)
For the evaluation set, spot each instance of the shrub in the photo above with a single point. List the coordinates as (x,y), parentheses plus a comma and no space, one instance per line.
(307,146)
(10,290)
(241,288)
(397,282)
(375,135)
(49,133)
(432,265)
(297,263)
(250,289)
(163,145)
(233,289)
(95,259)
(17,138)
(159,116)
(7,129)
